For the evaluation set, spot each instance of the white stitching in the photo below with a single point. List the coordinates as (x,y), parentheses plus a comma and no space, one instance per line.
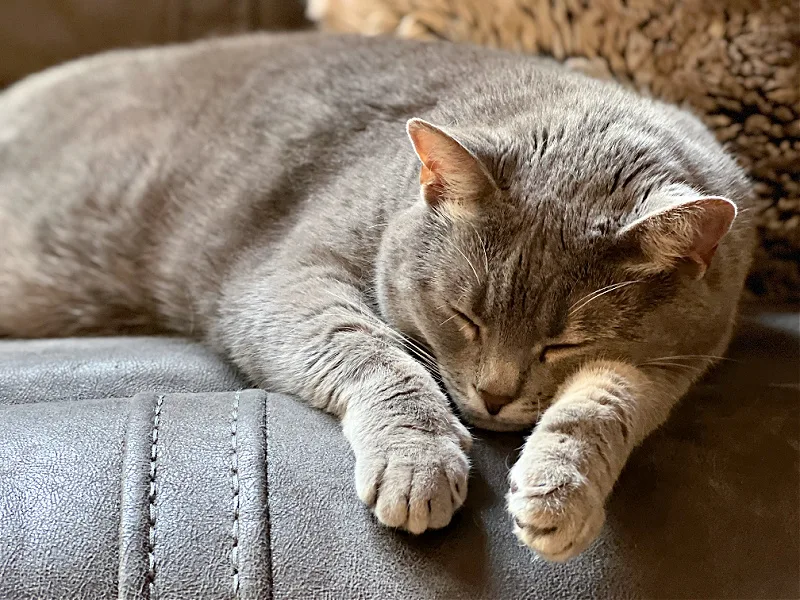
(235,488)
(151,498)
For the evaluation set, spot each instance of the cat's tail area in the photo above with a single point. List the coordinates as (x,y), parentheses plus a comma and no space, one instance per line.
(94,321)
(39,306)
(68,291)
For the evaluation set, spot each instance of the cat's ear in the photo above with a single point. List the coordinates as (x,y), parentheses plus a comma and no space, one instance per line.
(684,232)
(449,172)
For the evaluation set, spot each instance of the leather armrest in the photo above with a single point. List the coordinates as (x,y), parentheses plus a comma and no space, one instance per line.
(35,34)
(154,497)
(112,367)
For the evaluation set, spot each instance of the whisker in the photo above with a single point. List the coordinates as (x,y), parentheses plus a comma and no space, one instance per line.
(508,466)
(408,342)
(424,356)
(602,289)
(416,350)
(692,356)
(430,364)
(669,364)
(423,359)
(469,262)
(597,293)
(413,342)
(483,247)
(447,320)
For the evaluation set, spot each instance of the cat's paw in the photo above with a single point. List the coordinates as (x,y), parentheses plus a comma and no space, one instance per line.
(557,509)
(414,479)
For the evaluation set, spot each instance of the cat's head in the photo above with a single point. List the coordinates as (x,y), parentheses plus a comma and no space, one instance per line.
(523,260)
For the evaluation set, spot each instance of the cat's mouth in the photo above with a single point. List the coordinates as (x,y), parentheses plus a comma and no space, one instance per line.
(461,404)
(492,423)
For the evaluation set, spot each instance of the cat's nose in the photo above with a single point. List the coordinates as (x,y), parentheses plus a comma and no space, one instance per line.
(494,403)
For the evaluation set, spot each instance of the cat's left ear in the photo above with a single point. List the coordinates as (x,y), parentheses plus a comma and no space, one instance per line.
(449,172)
(686,231)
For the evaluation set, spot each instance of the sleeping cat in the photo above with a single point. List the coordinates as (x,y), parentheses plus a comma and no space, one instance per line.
(357,221)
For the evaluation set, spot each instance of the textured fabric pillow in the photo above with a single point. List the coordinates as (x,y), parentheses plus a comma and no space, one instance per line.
(734,62)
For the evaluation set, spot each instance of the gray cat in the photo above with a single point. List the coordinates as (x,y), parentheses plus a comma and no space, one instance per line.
(350,219)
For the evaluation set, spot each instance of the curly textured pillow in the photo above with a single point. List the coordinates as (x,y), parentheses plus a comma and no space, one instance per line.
(735,62)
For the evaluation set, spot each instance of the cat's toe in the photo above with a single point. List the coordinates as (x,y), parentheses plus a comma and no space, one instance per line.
(442,506)
(369,475)
(557,511)
(392,504)
(558,537)
(416,486)
(463,434)
(430,503)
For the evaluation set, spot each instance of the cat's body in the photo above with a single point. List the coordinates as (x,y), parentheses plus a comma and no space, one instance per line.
(262,193)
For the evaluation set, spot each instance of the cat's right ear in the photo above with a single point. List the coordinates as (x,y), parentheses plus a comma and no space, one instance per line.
(687,229)
(449,172)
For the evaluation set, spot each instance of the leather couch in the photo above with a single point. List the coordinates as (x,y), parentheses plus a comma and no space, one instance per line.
(145,468)
(35,34)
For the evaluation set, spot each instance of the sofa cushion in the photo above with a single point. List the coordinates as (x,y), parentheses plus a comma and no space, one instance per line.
(59,498)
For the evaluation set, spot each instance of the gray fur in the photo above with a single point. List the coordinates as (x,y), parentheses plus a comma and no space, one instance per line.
(261,193)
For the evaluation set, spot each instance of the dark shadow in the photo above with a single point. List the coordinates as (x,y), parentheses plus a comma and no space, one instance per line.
(709,506)
(463,548)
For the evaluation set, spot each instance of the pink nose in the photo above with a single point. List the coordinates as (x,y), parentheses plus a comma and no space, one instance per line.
(494,403)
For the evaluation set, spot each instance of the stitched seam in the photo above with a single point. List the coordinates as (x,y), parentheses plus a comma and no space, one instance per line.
(150,577)
(270,574)
(235,489)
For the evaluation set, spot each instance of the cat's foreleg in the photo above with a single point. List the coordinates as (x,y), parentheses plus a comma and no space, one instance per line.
(315,338)
(569,464)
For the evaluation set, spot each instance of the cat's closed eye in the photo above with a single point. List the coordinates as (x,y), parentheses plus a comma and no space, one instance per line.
(554,352)
(469,326)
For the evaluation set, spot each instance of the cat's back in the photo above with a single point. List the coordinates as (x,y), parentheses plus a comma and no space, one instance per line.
(114,168)
(168,105)
(93,155)
(126,162)
(122,91)
(301,76)
(130,138)
(130,126)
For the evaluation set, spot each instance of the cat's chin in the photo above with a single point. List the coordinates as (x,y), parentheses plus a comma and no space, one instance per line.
(493,424)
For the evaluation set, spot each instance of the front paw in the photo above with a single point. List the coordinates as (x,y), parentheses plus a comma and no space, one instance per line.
(558,509)
(414,478)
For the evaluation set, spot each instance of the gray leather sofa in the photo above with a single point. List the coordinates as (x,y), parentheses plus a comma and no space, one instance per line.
(144,468)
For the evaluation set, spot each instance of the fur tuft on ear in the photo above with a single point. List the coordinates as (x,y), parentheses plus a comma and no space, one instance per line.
(449,173)
(688,230)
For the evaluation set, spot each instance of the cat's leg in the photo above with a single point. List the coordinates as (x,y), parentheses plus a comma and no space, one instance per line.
(569,464)
(314,337)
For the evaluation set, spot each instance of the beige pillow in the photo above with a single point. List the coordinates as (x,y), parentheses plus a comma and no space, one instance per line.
(735,62)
